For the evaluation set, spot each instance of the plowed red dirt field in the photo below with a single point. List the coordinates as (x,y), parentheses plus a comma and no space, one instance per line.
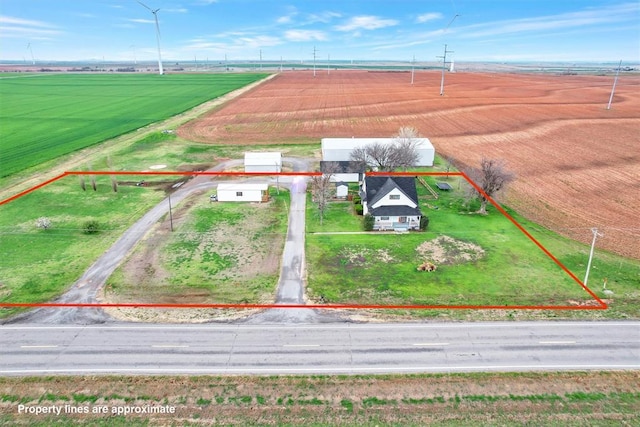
(577,163)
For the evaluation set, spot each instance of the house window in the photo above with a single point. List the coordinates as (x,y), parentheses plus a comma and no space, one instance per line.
(394,197)
(402,219)
(384,218)
(238,193)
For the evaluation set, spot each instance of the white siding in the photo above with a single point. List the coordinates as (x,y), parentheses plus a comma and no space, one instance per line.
(339,149)
(400,200)
(229,192)
(263,162)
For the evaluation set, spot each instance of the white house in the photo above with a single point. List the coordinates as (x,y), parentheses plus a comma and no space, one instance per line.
(263,162)
(392,201)
(245,192)
(339,149)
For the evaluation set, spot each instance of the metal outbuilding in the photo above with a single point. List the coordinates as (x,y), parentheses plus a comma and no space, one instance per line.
(339,149)
(263,162)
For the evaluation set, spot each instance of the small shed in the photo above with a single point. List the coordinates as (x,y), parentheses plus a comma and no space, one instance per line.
(342,190)
(263,162)
(245,192)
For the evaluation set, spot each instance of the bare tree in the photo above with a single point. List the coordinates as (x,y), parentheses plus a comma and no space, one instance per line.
(402,153)
(322,189)
(405,149)
(492,177)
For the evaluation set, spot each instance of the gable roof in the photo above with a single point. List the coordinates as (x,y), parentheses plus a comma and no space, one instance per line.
(342,166)
(379,186)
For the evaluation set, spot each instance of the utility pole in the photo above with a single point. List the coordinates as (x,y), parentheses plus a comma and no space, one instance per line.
(413,65)
(328,63)
(613,89)
(593,245)
(444,65)
(260,59)
(314,61)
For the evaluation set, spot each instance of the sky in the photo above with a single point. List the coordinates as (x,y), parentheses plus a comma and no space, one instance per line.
(200,30)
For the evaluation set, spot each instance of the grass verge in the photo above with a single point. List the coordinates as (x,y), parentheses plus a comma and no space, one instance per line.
(568,399)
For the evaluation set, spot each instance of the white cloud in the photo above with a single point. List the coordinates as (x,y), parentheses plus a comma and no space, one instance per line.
(176,10)
(323,17)
(24,22)
(142,21)
(366,22)
(12,27)
(426,17)
(605,15)
(304,35)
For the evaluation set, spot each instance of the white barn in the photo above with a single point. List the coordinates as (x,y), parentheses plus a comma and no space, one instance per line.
(263,162)
(245,192)
(339,149)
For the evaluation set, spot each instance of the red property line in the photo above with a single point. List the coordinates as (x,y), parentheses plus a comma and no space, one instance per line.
(310,306)
(602,305)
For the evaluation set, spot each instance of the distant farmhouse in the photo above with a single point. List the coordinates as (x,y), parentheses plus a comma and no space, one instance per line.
(263,162)
(392,201)
(339,149)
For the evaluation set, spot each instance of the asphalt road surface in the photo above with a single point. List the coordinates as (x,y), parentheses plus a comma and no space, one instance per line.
(318,348)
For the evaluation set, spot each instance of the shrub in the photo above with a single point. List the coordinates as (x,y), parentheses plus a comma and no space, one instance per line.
(369,220)
(357,200)
(43,222)
(91,227)
(359,209)
(424,222)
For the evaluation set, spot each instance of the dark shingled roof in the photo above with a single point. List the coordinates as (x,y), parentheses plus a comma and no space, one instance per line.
(342,166)
(378,187)
(395,211)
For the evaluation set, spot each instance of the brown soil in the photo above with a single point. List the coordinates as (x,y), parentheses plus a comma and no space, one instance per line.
(605,398)
(577,163)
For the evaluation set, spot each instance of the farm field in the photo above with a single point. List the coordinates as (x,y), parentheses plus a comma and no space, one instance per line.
(47,116)
(576,163)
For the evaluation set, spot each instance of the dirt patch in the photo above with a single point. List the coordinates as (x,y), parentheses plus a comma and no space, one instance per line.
(568,152)
(447,250)
(361,256)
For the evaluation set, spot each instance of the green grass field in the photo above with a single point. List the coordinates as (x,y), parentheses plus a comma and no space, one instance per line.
(37,265)
(381,268)
(46,116)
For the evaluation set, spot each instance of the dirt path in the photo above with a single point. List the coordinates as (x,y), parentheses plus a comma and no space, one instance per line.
(79,158)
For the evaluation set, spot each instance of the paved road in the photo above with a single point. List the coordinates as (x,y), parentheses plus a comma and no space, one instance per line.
(318,348)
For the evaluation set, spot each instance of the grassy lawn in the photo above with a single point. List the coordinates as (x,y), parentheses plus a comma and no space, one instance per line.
(508,268)
(47,116)
(218,253)
(38,264)
(178,154)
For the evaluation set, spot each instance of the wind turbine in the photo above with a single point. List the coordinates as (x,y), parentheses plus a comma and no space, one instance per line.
(155,15)
(33,61)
